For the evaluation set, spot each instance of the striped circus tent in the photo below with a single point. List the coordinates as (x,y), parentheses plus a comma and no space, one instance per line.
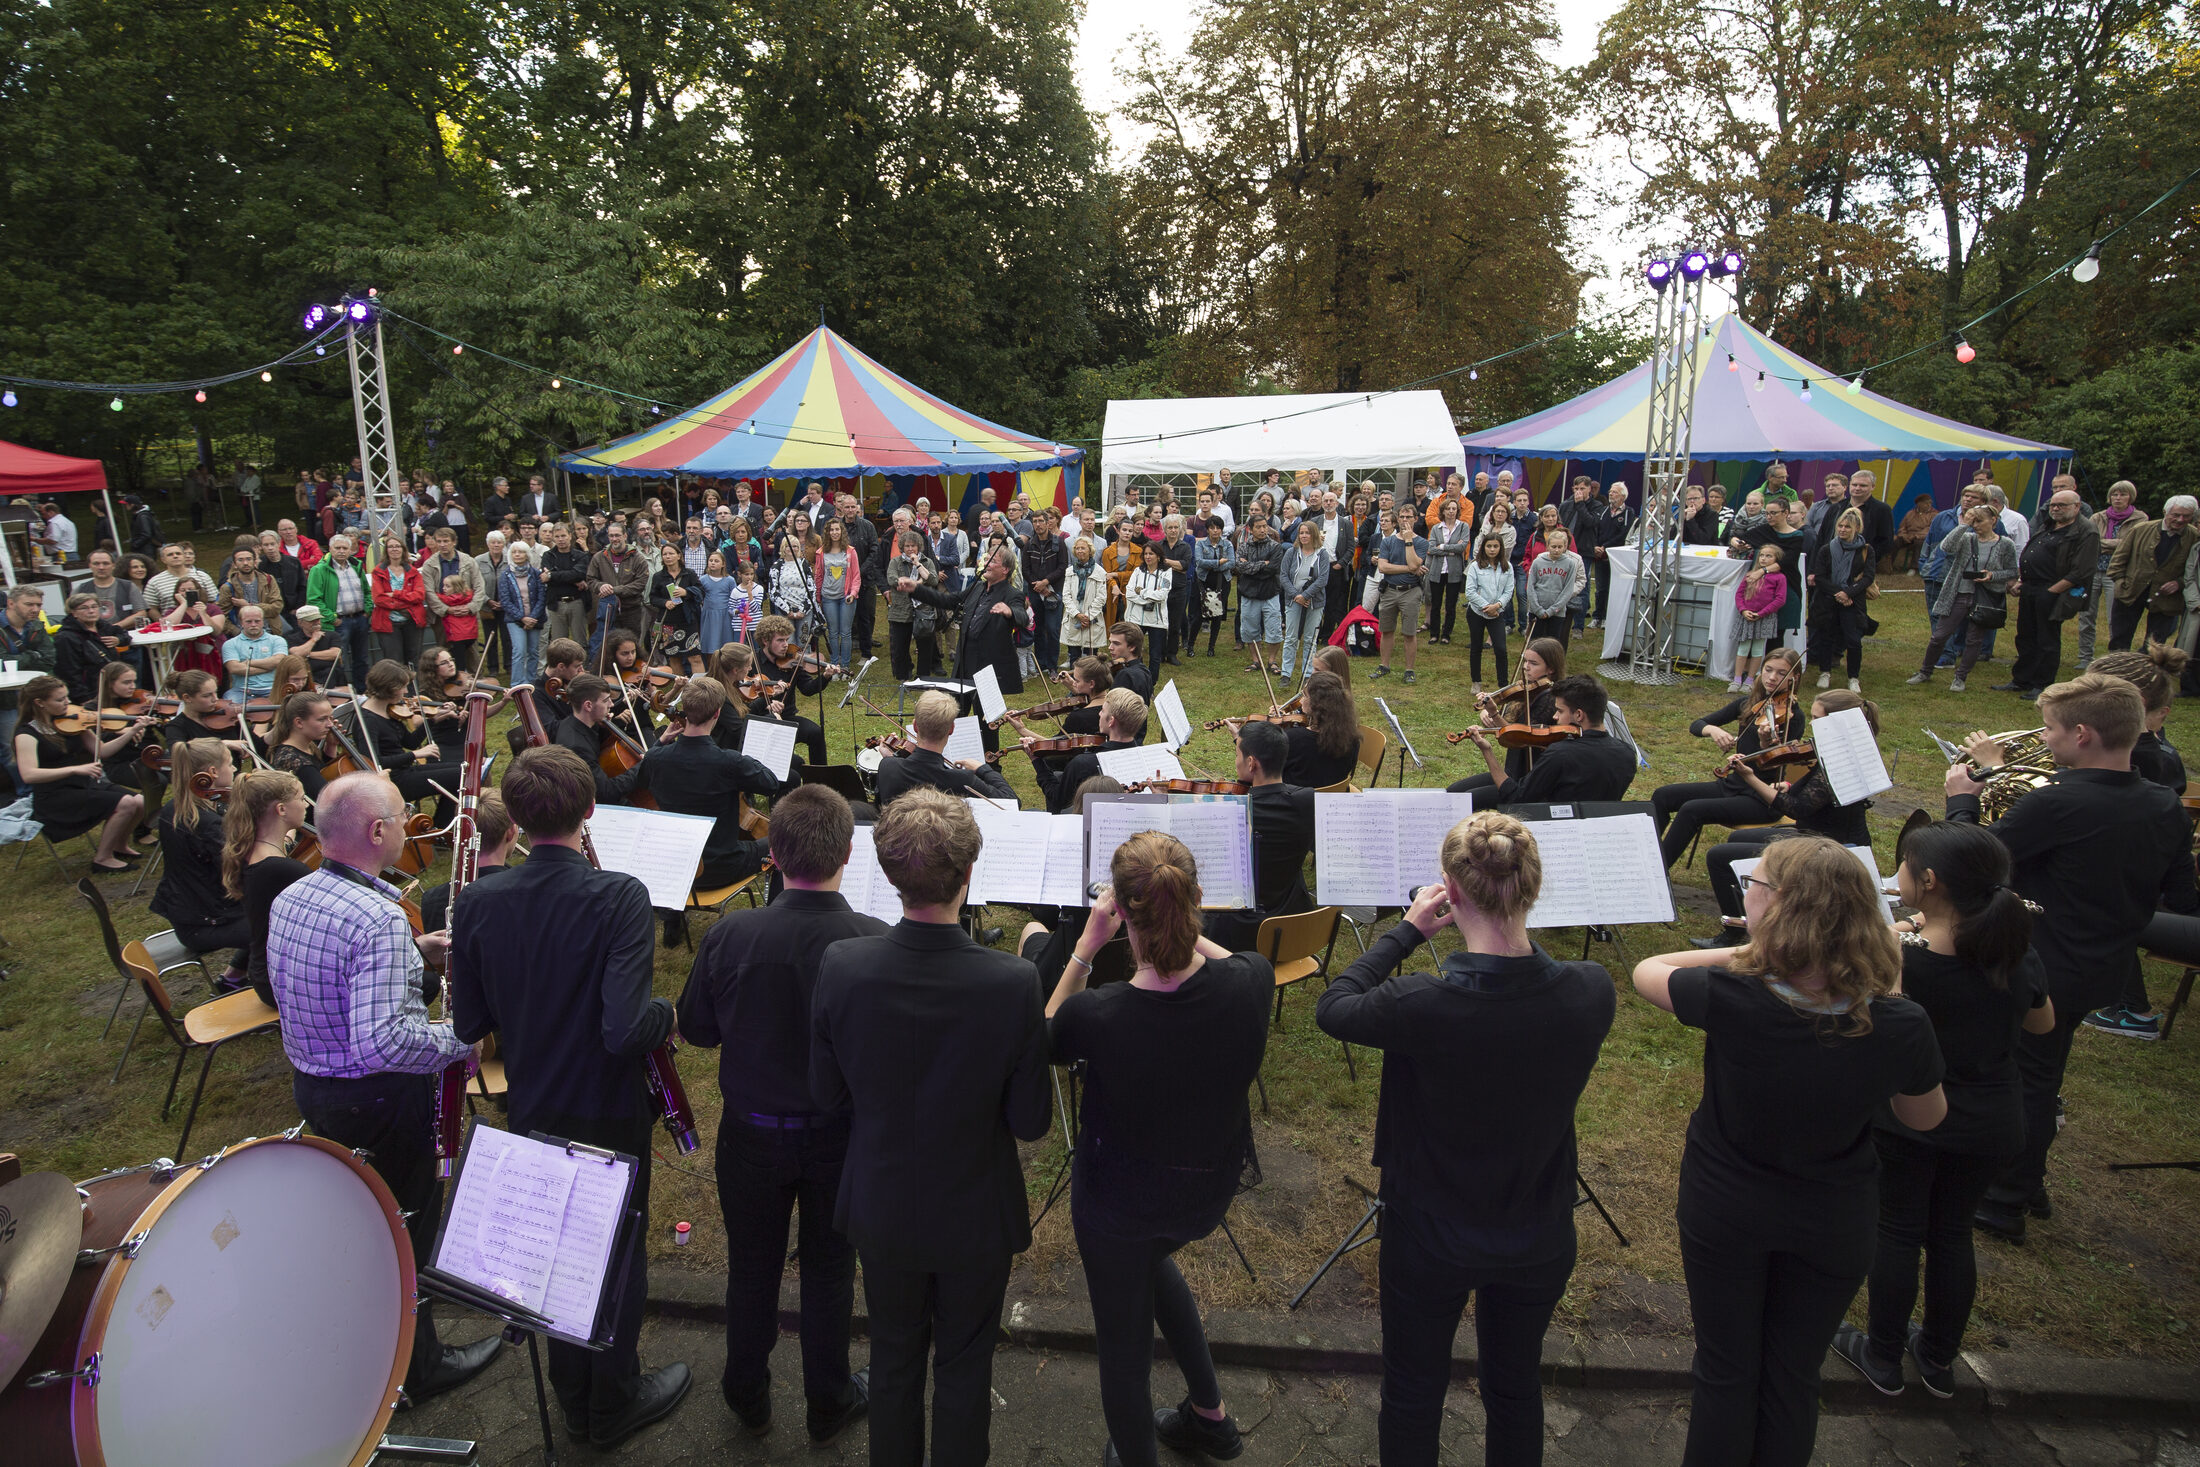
(822,410)
(1795,410)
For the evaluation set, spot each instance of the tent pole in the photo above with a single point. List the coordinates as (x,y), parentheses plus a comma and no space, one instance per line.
(7,562)
(108,495)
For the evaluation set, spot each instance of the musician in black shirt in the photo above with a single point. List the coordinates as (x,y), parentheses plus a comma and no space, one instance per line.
(1282,818)
(749,997)
(1127,655)
(779,660)
(1767,715)
(1592,765)
(588,731)
(693,776)
(556,958)
(930,727)
(2099,849)
(1122,722)
(1499,1031)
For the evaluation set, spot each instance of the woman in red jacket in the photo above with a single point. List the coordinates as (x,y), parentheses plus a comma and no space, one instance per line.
(400,602)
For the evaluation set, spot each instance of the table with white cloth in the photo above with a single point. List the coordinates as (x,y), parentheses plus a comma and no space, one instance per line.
(163,642)
(1701,566)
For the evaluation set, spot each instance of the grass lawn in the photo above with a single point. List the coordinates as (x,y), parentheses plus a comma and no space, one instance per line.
(2116,1272)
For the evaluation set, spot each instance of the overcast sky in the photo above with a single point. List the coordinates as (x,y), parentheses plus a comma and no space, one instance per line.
(1110,26)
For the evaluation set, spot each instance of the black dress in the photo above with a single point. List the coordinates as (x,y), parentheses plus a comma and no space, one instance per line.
(76,801)
(1305,765)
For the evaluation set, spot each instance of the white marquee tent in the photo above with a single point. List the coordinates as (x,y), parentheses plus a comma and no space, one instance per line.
(1330,431)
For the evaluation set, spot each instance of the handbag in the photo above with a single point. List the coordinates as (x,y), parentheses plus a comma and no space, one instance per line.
(1989,614)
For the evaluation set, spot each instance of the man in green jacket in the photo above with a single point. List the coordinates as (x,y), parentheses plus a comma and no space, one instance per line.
(338,585)
(2148,572)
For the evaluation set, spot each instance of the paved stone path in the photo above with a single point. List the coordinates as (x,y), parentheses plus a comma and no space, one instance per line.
(1047,1411)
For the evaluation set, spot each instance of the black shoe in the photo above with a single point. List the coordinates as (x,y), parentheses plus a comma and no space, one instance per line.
(1109,1456)
(825,1425)
(676,930)
(459,1364)
(1187,1431)
(754,1410)
(1854,1346)
(2007,688)
(989,936)
(230,983)
(2038,1206)
(1940,1380)
(658,1392)
(2000,1221)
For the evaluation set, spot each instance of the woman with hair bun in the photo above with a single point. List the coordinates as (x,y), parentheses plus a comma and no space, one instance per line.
(1484,1060)
(1805,1041)
(267,808)
(1167,1137)
(1967,961)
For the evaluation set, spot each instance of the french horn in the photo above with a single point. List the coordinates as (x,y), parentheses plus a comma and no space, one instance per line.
(2026,765)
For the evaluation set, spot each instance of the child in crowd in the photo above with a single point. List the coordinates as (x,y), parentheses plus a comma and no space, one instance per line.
(1757,601)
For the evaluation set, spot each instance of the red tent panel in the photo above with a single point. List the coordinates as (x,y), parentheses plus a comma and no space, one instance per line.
(33,471)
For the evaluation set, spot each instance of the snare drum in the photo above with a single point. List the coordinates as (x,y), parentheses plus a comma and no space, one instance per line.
(869,760)
(256,1308)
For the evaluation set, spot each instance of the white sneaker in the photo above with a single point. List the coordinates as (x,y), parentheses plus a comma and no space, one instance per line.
(1855,686)
(1825,680)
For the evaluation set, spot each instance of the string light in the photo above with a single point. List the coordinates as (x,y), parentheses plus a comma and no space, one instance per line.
(1731,366)
(459,351)
(1474,374)
(2088,269)
(115,406)
(267,376)
(1856,384)
(556,383)
(7,399)
(1760,381)
(200,395)
(1806,389)
(1965,352)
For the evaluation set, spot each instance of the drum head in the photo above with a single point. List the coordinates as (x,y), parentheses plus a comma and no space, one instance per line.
(266,1319)
(869,760)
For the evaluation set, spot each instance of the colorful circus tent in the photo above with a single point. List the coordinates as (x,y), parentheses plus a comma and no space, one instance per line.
(823,410)
(1756,402)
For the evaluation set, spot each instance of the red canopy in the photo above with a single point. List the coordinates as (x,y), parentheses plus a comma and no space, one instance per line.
(33,471)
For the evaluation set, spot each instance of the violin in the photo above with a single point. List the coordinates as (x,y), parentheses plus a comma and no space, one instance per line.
(1535,736)
(1798,751)
(896,745)
(1188,787)
(759,686)
(1525,688)
(1054,708)
(409,711)
(1276,716)
(76,720)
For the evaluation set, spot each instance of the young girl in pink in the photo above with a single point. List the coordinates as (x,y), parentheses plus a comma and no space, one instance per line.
(1757,601)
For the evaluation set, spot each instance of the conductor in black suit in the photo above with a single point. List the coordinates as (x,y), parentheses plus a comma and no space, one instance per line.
(556,958)
(929,767)
(937,1049)
(993,609)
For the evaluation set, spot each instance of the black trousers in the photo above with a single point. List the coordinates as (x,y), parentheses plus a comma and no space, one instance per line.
(1841,632)
(418,781)
(2123,621)
(865,628)
(2041,1059)
(763,1173)
(913,656)
(1480,627)
(591,1383)
(1180,624)
(1601,569)
(237,934)
(1135,1286)
(2039,640)
(1557,628)
(1764,1315)
(1337,601)
(1926,1197)
(746,859)
(956,1317)
(1444,613)
(392,1119)
(1471,783)
(1718,863)
(1684,809)
(1423,1297)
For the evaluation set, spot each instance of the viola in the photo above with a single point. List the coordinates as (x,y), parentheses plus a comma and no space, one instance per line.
(1188,787)
(1055,708)
(896,745)
(1535,736)
(111,720)
(1796,751)
(1276,716)
(219,719)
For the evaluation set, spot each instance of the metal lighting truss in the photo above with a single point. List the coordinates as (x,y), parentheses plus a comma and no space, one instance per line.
(1650,631)
(370,406)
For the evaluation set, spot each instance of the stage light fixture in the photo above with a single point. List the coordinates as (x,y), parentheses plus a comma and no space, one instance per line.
(2088,269)
(1729,263)
(358,310)
(316,317)
(1659,273)
(1965,352)
(1694,263)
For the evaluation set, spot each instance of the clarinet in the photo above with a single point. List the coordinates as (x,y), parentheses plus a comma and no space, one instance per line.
(450,1090)
(663,1076)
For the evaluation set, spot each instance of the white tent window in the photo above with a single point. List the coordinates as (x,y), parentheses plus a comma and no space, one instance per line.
(1334,432)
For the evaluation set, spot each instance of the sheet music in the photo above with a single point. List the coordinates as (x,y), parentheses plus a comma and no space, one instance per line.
(1400,730)
(769,744)
(1884,885)
(864,885)
(1216,829)
(1948,751)
(1607,871)
(1371,849)
(1176,725)
(1850,756)
(535,1224)
(657,846)
(990,701)
(1011,865)
(1140,761)
(1064,882)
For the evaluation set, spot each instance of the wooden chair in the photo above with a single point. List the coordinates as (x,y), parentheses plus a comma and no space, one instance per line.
(164,948)
(207,1027)
(1298,947)
(1341,787)
(718,898)
(1373,745)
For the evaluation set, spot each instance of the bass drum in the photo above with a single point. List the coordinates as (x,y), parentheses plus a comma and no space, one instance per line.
(251,1310)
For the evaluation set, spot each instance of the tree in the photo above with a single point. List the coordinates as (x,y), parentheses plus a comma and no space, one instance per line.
(1330,217)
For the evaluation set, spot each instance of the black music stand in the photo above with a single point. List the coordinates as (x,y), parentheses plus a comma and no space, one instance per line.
(520,1322)
(1370,1223)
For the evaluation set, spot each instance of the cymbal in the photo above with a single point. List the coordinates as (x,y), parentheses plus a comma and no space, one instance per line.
(41,1227)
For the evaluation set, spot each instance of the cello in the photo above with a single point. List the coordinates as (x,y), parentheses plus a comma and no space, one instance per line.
(662,1073)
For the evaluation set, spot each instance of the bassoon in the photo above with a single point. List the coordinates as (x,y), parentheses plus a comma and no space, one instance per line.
(450,1088)
(663,1075)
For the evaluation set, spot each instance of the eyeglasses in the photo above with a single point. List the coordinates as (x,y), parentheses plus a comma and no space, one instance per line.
(1746,882)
